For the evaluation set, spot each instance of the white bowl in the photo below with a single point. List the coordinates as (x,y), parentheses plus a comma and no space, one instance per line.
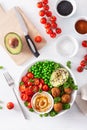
(71,74)
(67,46)
(73,11)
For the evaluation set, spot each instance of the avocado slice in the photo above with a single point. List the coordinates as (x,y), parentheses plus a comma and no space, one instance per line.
(59,77)
(13,43)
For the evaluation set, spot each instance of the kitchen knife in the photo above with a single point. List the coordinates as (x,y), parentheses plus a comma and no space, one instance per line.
(25,31)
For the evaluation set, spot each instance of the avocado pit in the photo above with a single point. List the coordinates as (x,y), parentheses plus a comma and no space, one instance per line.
(13,42)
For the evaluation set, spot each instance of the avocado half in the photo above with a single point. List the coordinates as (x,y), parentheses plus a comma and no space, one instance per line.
(13,50)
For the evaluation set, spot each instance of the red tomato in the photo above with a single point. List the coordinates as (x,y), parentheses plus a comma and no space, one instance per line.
(38,39)
(49,31)
(10,105)
(24,78)
(29,105)
(29,98)
(42,13)
(24,97)
(48,13)
(22,88)
(79,68)
(45,1)
(53,18)
(45,87)
(28,83)
(36,81)
(42,81)
(83,63)
(54,25)
(58,30)
(43,20)
(35,88)
(39,4)
(29,91)
(53,35)
(47,25)
(30,75)
(84,43)
(46,7)
(85,57)
(40,86)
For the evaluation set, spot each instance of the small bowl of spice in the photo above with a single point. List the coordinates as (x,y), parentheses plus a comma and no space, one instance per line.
(65,8)
(80,25)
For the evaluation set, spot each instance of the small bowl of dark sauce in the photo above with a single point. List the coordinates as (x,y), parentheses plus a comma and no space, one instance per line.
(65,8)
(81,26)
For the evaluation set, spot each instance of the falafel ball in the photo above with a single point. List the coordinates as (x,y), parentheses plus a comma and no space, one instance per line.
(55,92)
(58,107)
(66,98)
(68,90)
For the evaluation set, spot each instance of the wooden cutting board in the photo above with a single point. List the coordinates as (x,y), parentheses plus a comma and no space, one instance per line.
(9,23)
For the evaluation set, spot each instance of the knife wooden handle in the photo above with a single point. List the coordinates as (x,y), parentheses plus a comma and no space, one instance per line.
(32,46)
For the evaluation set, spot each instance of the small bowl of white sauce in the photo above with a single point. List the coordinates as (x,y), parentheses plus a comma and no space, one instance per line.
(67,46)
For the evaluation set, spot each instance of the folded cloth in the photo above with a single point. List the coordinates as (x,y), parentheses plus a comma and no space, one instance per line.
(81,99)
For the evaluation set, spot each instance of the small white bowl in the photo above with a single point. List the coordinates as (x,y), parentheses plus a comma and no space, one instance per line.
(73,11)
(67,46)
(42,101)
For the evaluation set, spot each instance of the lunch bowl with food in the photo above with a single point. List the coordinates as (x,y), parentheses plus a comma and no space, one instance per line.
(47,88)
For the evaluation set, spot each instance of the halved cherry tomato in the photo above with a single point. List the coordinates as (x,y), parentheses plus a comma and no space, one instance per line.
(45,87)
(43,20)
(36,81)
(29,105)
(39,4)
(30,75)
(29,91)
(40,86)
(24,97)
(45,1)
(10,105)
(46,7)
(38,39)
(28,83)
(24,78)
(42,81)
(35,88)
(22,88)
(42,13)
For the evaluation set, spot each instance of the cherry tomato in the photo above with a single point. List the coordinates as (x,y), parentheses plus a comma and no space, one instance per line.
(53,18)
(48,13)
(22,88)
(29,105)
(85,57)
(79,68)
(10,105)
(29,98)
(84,43)
(42,81)
(54,25)
(46,7)
(43,20)
(42,13)
(29,91)
(49,31)
(30,75)
(47,25)
(45,1)
(38,39)
(24,97)
(35,88)
(40,85)
(45,87)
(39,4)
(28,83)
(24,78)
(53,35)
(83,63)
(58,30)
(36,81)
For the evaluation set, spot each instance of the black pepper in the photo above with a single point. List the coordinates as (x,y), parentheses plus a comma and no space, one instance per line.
(64,8)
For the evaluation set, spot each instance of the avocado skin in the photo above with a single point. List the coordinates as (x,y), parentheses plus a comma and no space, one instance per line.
(13,51)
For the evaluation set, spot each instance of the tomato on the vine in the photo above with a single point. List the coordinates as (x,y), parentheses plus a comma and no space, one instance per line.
(39,4)
(47,25)
(42,13)
(48,13)
(10,105)
(49,31)
(43,20)
(54,25)
(45,1)
(46,7)
(53,18)
(53,35)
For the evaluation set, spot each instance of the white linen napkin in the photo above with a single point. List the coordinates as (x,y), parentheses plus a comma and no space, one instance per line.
(81,99)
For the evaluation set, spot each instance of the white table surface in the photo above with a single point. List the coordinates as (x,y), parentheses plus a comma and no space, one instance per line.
(13,119)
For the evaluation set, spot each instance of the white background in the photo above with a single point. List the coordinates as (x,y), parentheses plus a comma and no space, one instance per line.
(13,119)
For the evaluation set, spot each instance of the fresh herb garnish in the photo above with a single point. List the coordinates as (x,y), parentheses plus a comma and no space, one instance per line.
(21,83)
(68,64)
(31,109)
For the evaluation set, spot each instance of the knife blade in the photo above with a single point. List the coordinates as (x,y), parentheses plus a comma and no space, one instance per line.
(25,31)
